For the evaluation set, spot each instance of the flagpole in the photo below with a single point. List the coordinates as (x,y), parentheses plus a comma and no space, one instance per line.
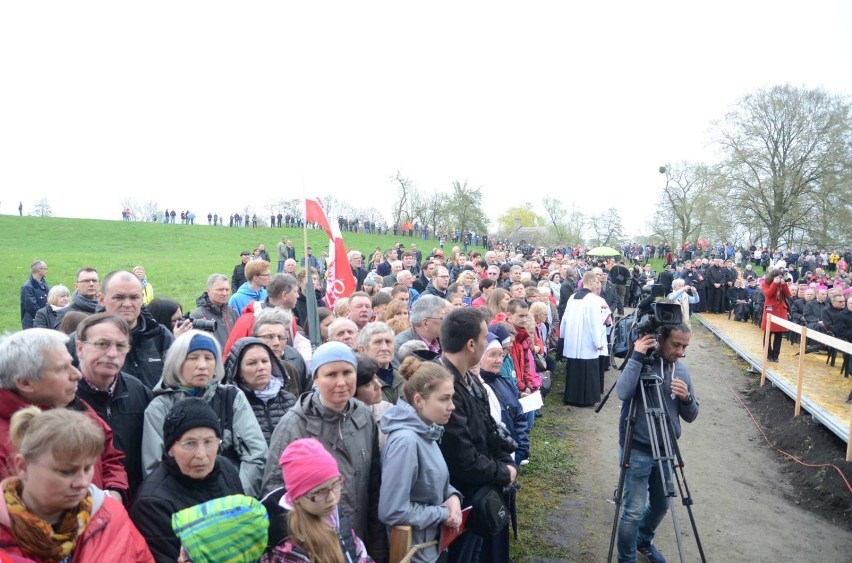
(311,297)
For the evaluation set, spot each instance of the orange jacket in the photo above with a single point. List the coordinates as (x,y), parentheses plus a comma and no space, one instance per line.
(109,537)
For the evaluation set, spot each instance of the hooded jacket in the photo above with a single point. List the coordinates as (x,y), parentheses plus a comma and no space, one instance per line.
(245,295)
(351,437)
(149,342)
(224,316)
(244,436)
(167,491)
(109,471)
(269,412)
(511,413)
(416,479)
(110,535)
(123,410)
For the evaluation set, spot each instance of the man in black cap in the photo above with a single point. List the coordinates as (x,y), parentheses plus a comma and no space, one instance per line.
(239,276)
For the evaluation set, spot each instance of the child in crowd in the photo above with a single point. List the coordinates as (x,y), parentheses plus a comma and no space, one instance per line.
(317,533)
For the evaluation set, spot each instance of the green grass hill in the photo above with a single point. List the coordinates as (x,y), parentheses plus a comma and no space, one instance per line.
(177,258)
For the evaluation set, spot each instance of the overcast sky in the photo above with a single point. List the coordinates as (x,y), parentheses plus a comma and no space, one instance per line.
(210,106)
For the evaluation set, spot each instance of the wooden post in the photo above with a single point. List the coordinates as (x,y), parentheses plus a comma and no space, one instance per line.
(400,543)
(801,376)
(849,440)
(766,336)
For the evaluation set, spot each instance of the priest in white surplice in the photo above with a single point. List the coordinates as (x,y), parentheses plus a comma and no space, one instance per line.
(584,333)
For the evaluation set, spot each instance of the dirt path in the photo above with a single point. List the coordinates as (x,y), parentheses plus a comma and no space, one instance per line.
(742,497)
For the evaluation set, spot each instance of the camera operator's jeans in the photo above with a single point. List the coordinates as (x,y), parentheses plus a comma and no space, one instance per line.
(644,505)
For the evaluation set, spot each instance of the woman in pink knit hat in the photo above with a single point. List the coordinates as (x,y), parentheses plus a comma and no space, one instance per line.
(316,531)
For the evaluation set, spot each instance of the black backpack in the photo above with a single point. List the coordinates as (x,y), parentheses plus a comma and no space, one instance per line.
(223,405)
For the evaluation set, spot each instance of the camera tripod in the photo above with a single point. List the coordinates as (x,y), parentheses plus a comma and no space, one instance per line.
(664,450)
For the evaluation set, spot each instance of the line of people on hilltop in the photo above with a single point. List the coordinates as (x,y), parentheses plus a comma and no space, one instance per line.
(200,408)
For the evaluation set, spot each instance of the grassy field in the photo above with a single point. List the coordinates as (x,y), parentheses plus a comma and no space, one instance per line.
(177,258)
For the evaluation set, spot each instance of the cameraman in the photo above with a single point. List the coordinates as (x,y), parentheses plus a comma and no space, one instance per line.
(645,502)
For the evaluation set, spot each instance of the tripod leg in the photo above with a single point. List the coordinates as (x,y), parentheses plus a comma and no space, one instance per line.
(618,497)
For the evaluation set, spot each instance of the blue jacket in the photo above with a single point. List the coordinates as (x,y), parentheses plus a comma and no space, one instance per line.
(511,413)
(33,298)
(245,295)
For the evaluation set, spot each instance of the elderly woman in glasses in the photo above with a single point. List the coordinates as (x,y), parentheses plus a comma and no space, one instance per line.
(191,472)
(49,316)
(193,368)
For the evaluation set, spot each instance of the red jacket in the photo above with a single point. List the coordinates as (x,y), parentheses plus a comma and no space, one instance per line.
(773,304)
(245,325)
(109,537)
(109,470)
(523,369)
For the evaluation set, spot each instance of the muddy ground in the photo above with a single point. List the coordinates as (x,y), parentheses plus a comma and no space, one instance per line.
(750,502)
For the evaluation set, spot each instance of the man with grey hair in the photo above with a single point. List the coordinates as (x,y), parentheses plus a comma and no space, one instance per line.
(274,326)
(36,370)
(406,278)
(34,293)
(376,340)
(356,262)
(426,317)
(290,266)
(212,305)
(395,268)
(343,330)
(514,276)
(121,294)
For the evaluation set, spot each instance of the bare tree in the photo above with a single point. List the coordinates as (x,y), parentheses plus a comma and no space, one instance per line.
(686,199)
(607,227)
(556,214)
(402,204)
(780,145)
(42,208)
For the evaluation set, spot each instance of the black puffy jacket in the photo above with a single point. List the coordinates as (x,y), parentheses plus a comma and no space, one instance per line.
(224,316)
(269,412)
(166,491)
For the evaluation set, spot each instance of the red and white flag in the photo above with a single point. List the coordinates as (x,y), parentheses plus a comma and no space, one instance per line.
(339,279)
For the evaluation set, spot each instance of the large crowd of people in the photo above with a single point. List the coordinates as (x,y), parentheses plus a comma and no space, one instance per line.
(414,409)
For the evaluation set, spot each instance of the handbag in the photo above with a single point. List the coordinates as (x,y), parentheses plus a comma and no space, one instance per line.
(489,512)
(540,363)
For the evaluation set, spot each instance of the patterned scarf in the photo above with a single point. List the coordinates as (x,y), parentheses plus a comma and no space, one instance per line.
(37,537)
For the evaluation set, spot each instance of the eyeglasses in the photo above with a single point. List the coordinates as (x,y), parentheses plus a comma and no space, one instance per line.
(447,276)
(439,319)
(323,494)
(282,338)
(191,446)
(105,345)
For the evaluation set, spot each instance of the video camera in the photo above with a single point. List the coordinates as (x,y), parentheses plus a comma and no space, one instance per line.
(651,315)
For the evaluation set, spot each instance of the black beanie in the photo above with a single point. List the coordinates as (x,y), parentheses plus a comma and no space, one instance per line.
(185,415)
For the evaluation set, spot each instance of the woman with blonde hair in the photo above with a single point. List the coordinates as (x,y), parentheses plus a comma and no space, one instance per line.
(498,304)
(50,316)
(50,510)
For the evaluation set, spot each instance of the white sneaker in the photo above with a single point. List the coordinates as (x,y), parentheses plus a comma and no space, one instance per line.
(525,462)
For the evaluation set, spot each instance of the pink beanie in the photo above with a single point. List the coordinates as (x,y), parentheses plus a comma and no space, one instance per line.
(305,464)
